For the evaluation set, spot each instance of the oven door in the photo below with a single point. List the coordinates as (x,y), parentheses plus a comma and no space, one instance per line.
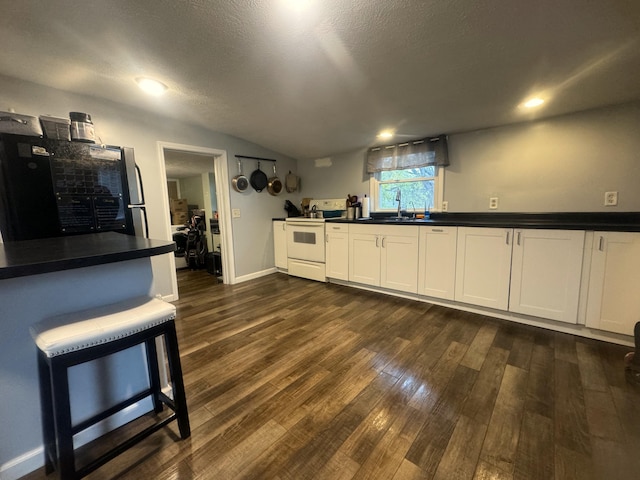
(305,241)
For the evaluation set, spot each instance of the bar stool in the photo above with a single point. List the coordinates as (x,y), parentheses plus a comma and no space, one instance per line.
(71,339)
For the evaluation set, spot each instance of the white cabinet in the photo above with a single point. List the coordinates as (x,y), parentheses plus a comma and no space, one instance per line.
(613,302)
(337,250)
(280,243)
(546,268)
(437,262)
(384,256)
(483,266)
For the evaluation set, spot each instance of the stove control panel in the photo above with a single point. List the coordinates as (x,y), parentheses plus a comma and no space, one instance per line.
(329,204)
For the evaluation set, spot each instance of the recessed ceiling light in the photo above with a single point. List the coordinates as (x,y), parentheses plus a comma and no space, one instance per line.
(386,134)
(533,102)
(150,86)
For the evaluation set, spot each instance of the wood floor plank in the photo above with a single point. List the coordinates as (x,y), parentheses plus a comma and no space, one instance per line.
(290,379)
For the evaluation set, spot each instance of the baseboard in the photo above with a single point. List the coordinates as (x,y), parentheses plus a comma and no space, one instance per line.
(253,276)
(34,459)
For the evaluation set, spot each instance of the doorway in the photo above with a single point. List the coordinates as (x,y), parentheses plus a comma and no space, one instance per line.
(197,177)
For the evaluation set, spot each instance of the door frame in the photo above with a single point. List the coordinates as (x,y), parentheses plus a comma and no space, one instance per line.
(221,173)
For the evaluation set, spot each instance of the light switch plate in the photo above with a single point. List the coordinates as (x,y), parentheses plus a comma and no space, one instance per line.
(235,213)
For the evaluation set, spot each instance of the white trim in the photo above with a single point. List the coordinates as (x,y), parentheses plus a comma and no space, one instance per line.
(253,276)
(221,172)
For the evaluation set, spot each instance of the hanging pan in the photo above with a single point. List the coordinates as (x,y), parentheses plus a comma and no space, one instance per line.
(258,179)
(275,185)
(240,182)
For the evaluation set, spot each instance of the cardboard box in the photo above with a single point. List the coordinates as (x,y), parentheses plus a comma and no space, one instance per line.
(179,218)
(179,205)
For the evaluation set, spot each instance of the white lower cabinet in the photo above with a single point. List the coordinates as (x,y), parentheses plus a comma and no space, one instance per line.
(613,302)
(384,256)
(280,243)
(546,268)
(337,250)
(437,262)
(483,266)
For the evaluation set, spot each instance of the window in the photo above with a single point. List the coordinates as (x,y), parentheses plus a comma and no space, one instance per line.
(419,187)
(414,169)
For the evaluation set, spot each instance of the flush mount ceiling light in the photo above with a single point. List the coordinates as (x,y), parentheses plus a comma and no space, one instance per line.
(386,134)
(533,102)
(151,86)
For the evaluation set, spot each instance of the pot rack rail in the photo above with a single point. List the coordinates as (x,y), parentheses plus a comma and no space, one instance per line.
(260,159)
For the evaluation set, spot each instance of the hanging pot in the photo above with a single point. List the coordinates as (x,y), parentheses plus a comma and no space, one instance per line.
(291,182)
(275,185)
(258,179)
(240,182)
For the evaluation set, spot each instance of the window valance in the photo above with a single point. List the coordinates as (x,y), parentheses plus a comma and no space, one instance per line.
(413,154)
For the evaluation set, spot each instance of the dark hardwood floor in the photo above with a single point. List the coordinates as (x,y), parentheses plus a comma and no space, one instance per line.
(294,379)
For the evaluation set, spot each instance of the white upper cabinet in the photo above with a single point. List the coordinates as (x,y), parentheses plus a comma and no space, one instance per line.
(337,250)
(613,302)
(437,262)
(545,273)
(280,243)
(483,266)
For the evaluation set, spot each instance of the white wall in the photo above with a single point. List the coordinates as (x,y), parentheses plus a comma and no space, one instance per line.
(564,164)
(121,125)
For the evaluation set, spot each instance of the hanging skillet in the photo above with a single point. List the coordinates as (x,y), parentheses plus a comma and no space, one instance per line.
(240,182)
(258,179)
(275,185)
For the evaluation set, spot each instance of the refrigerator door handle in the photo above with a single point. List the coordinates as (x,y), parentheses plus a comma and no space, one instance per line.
(143,209)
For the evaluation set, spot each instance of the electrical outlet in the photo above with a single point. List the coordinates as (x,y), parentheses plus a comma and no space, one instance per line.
(235,213)
(493,203)
(610,199)
(445,206)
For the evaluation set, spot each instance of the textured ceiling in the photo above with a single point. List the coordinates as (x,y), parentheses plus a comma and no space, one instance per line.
(323,80)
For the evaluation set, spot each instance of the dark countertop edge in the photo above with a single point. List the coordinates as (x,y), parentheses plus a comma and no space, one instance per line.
(619,222)
(33,257)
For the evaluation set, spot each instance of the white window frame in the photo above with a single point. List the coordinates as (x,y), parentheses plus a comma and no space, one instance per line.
(438,192)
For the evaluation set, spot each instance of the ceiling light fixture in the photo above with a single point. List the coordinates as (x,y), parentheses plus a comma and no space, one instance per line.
(386,134)
(533,102)
(150,86)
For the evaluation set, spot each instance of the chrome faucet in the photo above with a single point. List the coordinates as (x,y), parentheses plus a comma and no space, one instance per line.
(399,200)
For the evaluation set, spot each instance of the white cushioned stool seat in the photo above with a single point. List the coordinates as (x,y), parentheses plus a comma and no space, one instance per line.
(75,338)
(86,328)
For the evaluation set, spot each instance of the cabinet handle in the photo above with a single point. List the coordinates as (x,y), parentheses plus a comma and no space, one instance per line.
(326,236)
(601,244)
(284,227)
(377,238)
(519,237)
(383,242)
(507,239)
(437,230)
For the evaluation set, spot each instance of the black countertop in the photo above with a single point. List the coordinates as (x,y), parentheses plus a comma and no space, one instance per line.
(619,222)
(32,257)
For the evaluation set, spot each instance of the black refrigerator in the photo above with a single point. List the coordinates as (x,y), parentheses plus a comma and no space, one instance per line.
(53,188)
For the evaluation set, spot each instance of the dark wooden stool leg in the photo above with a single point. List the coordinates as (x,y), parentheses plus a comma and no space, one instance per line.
(64,432)
(46,410)
(154,374)
(177,383)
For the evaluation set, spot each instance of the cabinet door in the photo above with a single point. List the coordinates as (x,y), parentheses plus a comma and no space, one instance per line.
(337,248)
(398,259)
(364,258)
(613,303)
(483,266)
(437,262)
(546,266)
(280,243)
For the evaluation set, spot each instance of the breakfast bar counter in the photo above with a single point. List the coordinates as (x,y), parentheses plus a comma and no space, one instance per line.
(48,277)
